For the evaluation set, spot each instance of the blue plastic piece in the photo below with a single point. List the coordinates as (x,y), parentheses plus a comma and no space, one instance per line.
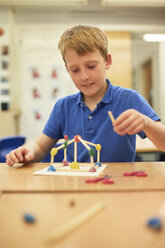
(51,168)
(98,164)
(155,223)
(29,218)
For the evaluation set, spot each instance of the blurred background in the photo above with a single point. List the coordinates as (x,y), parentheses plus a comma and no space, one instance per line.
(32,73)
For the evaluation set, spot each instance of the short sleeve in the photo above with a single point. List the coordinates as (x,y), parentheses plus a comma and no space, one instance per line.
(53,125)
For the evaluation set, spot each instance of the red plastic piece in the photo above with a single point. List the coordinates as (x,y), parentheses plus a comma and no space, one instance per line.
(107,180)
(92,169)
(131,173)
(65,163)
(141,174)
(76,138)
(65,137)
(94,180)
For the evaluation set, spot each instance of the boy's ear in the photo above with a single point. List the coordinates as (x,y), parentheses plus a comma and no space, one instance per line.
(66,67)
(108,61)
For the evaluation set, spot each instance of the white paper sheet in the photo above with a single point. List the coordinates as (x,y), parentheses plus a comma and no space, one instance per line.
(69,172)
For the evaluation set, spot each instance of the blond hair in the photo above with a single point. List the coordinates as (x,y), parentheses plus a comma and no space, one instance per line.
(84,39)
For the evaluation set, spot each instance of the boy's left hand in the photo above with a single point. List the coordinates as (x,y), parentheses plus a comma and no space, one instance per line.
(130,122)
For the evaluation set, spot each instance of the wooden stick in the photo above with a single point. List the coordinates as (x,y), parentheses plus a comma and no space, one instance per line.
(70,142)
(52,160)
(73,224)
(83,142)
(60,147)
(111,116)
(162,211)
(65,153)
(90,143)
(92,160)
(75,151)
(98,156)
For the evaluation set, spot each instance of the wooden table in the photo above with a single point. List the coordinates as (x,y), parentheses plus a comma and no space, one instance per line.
(54,200)
(22,179)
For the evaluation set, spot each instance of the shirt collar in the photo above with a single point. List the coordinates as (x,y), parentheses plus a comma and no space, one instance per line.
(78,98)
(108,95)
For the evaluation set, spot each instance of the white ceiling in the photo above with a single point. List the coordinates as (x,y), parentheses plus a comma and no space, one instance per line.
(137,3)
(133,15)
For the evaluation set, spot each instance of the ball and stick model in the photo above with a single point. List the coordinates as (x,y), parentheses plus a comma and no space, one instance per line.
(75,165)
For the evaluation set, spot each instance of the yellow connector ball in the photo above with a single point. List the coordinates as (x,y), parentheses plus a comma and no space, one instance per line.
(74,165)
(53,151)
(98,147)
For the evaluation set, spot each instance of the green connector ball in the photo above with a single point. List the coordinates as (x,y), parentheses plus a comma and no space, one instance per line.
(92,152)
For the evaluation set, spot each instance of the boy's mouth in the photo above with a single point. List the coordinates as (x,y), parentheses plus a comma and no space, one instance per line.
(87,85)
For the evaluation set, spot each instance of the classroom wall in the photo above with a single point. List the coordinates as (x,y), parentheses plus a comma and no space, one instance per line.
(161,78)
(44,78)
(142,52)
(120,48)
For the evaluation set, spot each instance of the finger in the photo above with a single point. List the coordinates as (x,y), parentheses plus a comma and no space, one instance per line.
(134,128)
(13,156)
(125,123)
(19,155)
(29,156)
(137,125)
(131,128)
(24,154)
(9,162)
(124,115)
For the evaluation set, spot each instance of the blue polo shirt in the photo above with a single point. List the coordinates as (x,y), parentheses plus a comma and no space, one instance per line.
(70,116)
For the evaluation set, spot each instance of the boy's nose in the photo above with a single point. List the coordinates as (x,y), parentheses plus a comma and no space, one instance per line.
(84,75)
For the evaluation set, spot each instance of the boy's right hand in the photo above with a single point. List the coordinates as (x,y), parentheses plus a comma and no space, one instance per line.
(19,155)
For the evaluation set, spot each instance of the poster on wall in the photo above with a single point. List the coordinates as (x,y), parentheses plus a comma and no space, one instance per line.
(44,80)
(4,69)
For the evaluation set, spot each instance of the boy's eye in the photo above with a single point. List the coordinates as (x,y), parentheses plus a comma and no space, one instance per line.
(74,71)
(91,66)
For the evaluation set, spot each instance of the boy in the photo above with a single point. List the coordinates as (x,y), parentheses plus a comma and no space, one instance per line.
(84,51)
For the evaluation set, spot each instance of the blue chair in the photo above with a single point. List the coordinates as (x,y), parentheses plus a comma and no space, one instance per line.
(59,157)
(8,144)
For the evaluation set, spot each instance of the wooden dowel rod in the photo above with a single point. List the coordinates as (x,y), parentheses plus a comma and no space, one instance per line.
(162,211)
(60,147)
(52,160)
(90,143)
(75,151)
(111,116)
(98,156)
(70,142)
(83,142)
(65,154)
(92,160)
(73,224)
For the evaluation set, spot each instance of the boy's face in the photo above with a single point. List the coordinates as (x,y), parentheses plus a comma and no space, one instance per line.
(88,72)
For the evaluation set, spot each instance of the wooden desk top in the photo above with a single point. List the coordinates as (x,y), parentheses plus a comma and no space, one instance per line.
(22,179)
(121,224)
(55,200)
